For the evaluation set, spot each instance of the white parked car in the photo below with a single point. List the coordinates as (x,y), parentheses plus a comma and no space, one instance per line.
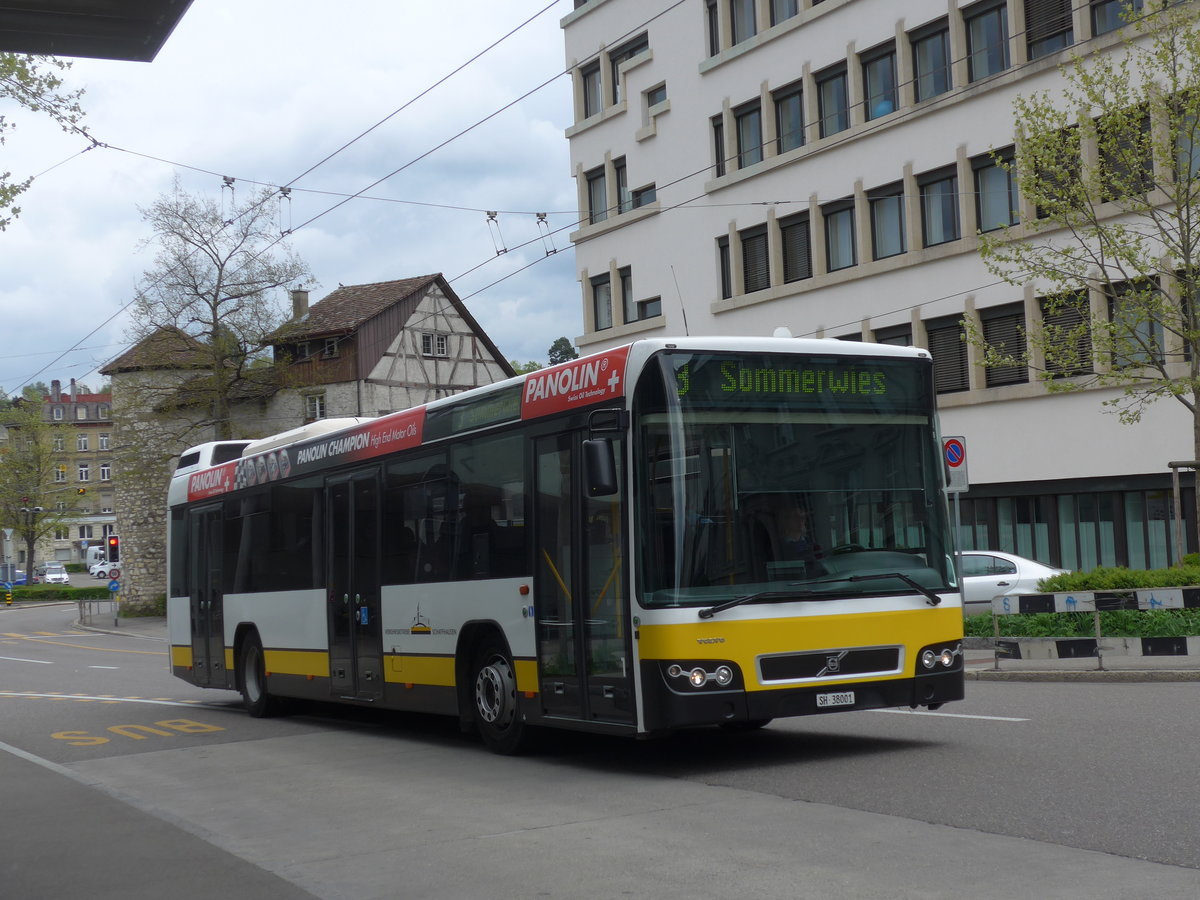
(105,570)
(53,573)
(990,573)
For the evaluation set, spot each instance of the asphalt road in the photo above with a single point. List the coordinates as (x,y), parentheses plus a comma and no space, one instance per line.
(1024,789)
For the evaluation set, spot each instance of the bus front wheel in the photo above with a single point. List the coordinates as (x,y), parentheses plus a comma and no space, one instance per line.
(252,678)
(494,693)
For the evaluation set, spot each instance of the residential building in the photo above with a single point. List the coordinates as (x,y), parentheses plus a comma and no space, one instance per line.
(827,166)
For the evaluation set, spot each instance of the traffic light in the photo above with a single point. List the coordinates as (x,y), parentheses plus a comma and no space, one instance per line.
(81,490)
(114,548)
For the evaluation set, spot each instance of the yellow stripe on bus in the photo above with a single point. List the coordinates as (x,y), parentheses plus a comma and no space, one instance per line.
(295,662)
(744,641)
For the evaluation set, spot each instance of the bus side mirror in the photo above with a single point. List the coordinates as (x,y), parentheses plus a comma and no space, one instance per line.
(600,467)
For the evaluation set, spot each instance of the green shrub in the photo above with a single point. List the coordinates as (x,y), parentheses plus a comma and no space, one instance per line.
(1115,623)
(59,592)
(1121,579)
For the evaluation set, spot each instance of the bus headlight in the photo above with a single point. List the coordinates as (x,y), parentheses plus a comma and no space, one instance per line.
(698,677)
(724,675)
(701,674)
(947,656)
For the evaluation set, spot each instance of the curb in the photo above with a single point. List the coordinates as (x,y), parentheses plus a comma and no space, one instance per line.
(1093,676)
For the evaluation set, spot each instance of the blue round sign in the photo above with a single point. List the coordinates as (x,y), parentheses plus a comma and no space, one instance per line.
(114,585)
(955,452)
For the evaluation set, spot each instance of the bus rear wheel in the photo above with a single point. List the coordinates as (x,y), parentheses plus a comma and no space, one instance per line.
(494,695)
(252,679)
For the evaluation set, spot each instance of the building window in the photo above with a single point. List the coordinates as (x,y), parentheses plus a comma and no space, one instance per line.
(621,177)
(602,302)
(781,10)
(593,96)
(84,472)
(789,118)
(797,247)
(57,414)
(748,125)
(102,412)
(1137,329)
(106,471)
(726,271)
(987,38)
(81,442)
(718,131)
(303,350)
(314,407)
(949,351)
(60,473)
(879,80)
(104,441)
(833,100)
(81,412)
(433,344)
(887,221)
(1004,329)
(1109,15)
(995,190)
(655,96)
(85,532)
(625,275)
(741,18)
(712,17)
(939,207)
(931,60)
(839,235)
(1126,155)
(756,273)
(62,534)
(644,196)
(625,52)
(649,308)
(597,191)
(1066,334)
(1047,26)
(330,349)
(60,443)
(896,335)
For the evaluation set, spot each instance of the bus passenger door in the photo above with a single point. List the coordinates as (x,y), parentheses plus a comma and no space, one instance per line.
(207,607)
(583,636)
(355,632)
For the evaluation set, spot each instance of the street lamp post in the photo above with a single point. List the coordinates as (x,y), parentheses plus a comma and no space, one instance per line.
(30,514)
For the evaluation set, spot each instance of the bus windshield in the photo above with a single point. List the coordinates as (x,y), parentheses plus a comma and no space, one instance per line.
(779,477)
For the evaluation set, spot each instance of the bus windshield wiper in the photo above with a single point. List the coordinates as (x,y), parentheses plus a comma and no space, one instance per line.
(711,611)
(930,597)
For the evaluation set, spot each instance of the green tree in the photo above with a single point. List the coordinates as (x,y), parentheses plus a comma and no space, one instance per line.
(209,306)
(1108,167)
(32,82)
(561,351)
(33,502)
(522,367)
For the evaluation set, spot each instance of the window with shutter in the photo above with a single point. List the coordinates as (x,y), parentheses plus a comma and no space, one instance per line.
(756,273)
(797,248)
(1066,326)
(949,354)
(1004,329)
(1047,26)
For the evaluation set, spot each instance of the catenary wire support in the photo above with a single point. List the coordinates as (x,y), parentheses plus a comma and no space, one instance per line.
(227,182)
(493,221)
(546,233)
(285,210)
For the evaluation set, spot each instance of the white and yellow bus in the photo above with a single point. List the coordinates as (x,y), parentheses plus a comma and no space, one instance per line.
(668,534)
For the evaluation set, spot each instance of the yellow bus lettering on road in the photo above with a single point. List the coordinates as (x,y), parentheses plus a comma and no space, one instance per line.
(167,728)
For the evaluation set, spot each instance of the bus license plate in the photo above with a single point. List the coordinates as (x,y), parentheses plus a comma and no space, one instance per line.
(840,698)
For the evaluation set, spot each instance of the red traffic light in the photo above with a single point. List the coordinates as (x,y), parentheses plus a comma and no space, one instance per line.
(114,548)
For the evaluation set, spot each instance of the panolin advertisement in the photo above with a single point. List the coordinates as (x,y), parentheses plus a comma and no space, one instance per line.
(398,431)
(580,382)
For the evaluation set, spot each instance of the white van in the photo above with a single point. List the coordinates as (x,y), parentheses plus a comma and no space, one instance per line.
(95,555)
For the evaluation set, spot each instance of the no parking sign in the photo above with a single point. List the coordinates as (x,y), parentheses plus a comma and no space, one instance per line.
(954,451)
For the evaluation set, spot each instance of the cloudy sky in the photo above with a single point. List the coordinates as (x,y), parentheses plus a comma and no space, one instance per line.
(261,90)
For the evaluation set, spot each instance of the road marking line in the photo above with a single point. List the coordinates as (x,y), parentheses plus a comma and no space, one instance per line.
(104,667)
(925,712)
(33,695)
(40,662)
(95,649)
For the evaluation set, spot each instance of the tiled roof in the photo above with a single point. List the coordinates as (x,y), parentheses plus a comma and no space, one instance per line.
(351,305)
(167,348)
